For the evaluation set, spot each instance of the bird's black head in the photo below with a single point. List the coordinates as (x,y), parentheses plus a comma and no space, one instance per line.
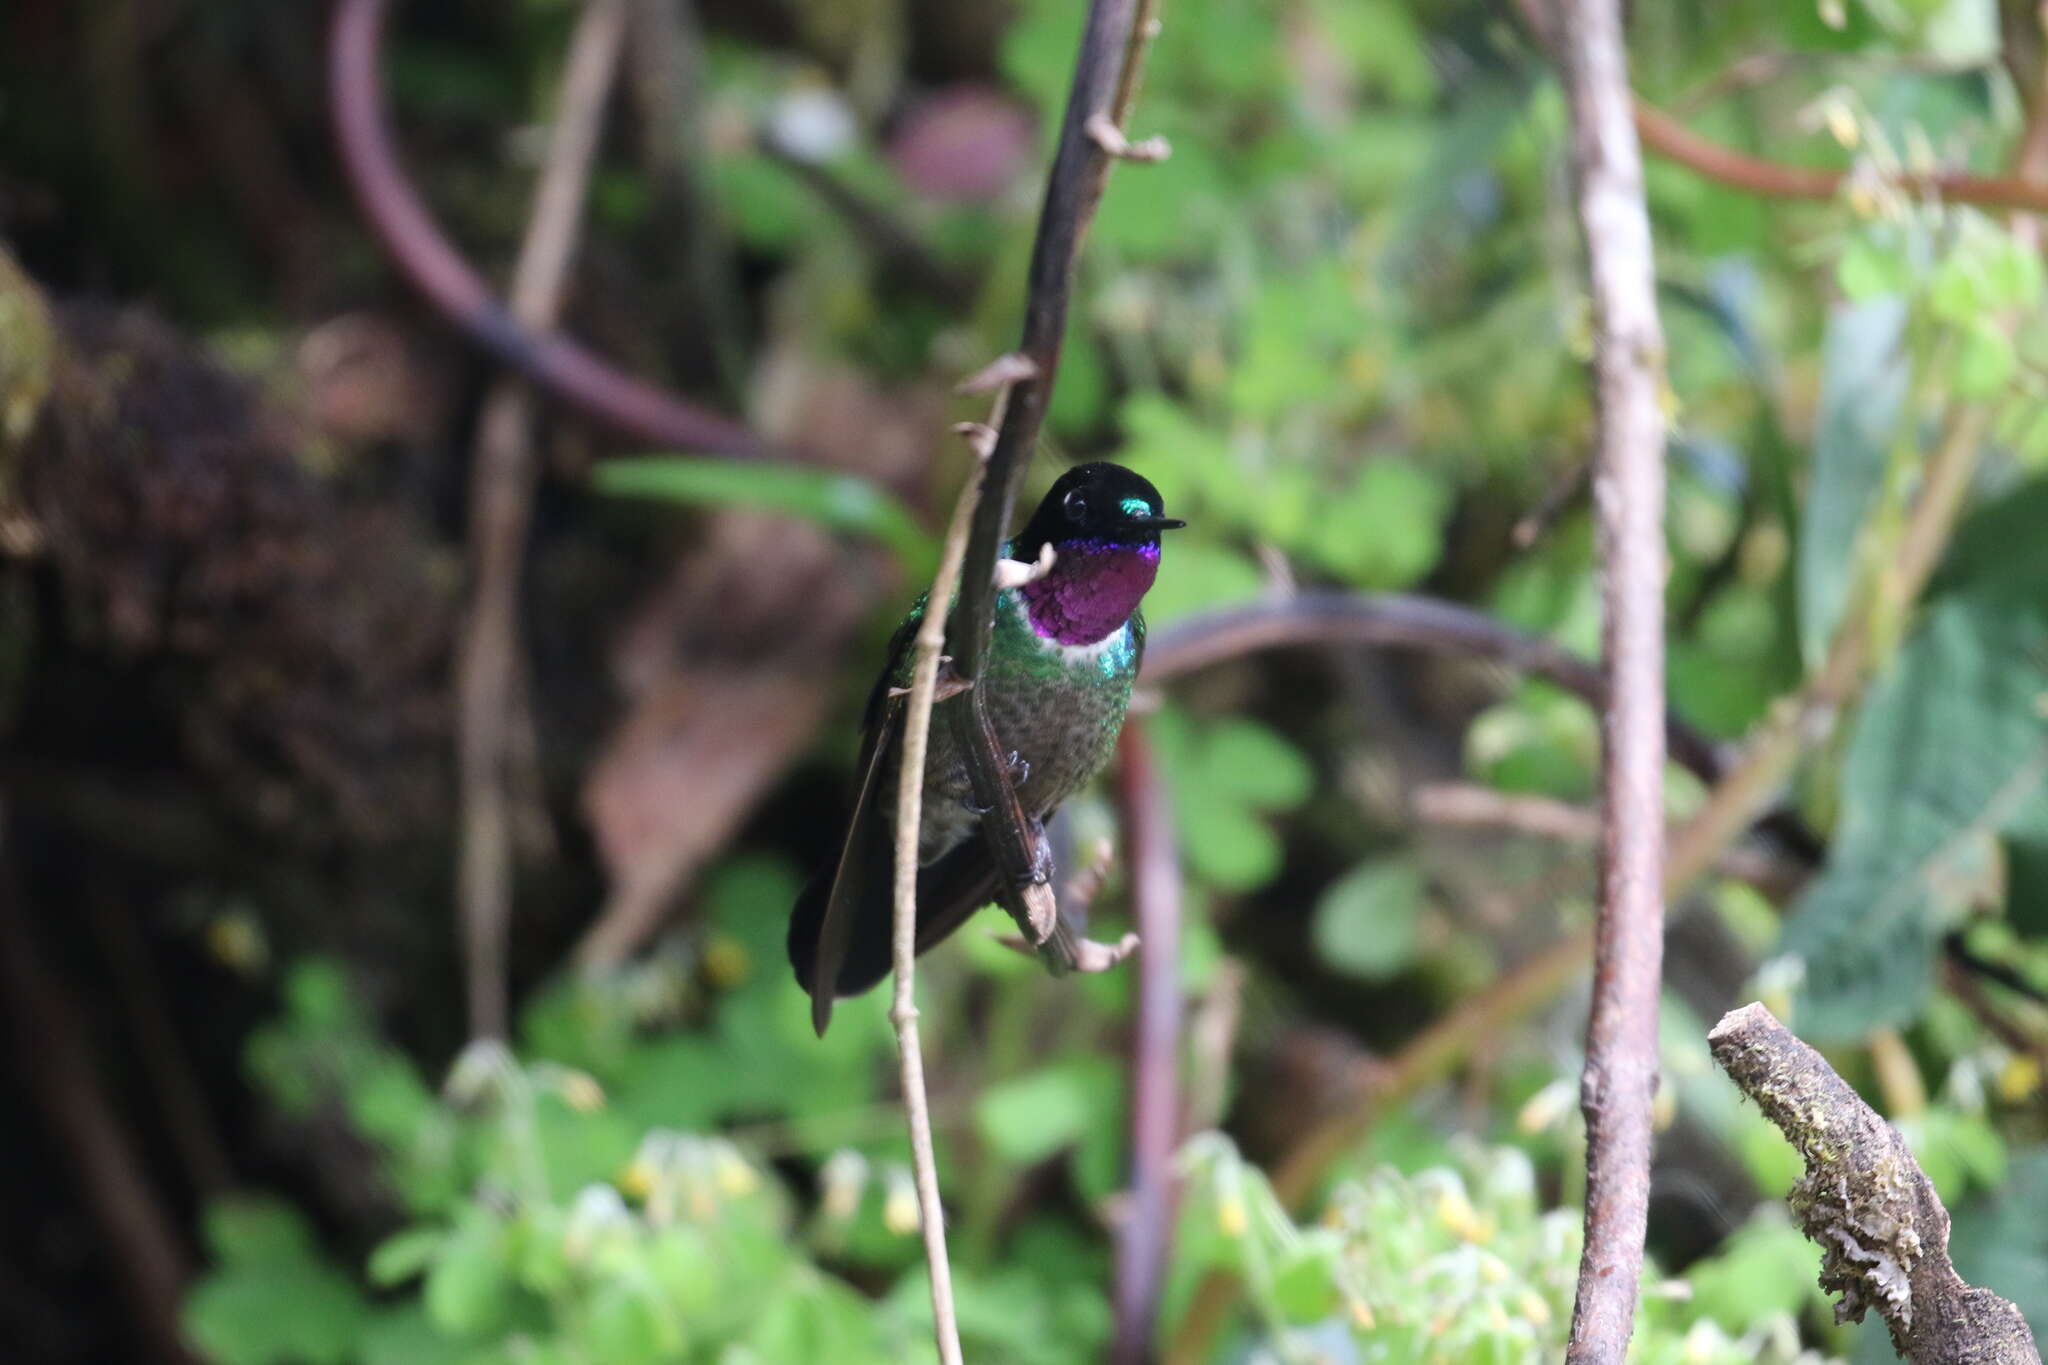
(1100,502)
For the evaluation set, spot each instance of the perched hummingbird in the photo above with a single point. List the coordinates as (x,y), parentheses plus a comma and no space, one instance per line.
(1056,680)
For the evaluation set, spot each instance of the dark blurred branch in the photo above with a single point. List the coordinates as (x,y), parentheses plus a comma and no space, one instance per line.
(664,63)
(61,1077)
(1146,1233)
(1882,1230)
(489,671)
(1327,618)
(1620,1077)
(1474,806)
(1957,947)
(1113,44)
(162,1053)
(894,244)
(407,231)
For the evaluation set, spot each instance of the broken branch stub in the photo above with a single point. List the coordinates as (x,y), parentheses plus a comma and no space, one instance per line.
(1866,1203)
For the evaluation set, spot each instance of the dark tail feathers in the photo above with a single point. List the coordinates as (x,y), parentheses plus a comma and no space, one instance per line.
(947,893)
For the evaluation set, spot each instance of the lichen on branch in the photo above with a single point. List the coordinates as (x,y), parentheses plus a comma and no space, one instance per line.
(1864,1200)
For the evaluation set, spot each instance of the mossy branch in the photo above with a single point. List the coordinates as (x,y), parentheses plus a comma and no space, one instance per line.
(1866,1203)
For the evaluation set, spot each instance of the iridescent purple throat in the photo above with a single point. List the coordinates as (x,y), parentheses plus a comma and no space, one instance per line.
(1092,590)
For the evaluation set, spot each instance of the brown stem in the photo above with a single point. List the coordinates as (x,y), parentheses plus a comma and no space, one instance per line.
(60,1074)
(405,228)
(1620,1078)
(1326,618)
(1865,1202)
(1668,138)
(501,507)
(1672,140)
(1145,1236)
(165,1059)
(1472,805)
(1113,43)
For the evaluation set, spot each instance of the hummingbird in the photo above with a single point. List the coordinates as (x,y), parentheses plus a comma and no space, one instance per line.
(1056,681)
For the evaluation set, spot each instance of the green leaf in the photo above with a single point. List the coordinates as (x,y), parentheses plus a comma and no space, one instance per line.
(1865,372)
(293,1313)
(1869,269)
(405,1336)
(1201,576)
(274,1301)
(1305,1285)
(1387,530)
(1030,1118)
(1950,746)
(629,1325)
(404,1254)
(1365,923)
(2000,1239)
(1765,1266)
(1257,765)
(469,1290)
(1985,361)
(841,501)
(1959,1152)
(243,1230)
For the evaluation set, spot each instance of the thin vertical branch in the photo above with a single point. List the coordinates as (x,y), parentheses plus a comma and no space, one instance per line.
(1146,1234)
(488,673)
(917,723)
(1628,493)
(1113,44)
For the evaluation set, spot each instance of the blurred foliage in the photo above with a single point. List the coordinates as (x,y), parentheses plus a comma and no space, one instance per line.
(1342,330)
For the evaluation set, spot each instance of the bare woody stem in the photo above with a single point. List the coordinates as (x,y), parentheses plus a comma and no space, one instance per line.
(1628,494)
(917,722)
(1155,1113)
(1866,1203)
(488,673)
(1113,43)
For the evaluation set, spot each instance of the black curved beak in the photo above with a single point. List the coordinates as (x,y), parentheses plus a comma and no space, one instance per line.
(1156,523)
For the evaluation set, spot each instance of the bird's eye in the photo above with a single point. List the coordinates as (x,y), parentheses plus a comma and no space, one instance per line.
(1076,505)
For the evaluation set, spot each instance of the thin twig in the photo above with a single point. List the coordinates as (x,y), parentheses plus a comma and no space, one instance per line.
(1471,805)
(1155,1116)
(895,245)
(1864,1200)
(416,244)
(1672,140)
(1620,1078)
(917,721)
(1666,136)
(501,505)
(1106,71)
